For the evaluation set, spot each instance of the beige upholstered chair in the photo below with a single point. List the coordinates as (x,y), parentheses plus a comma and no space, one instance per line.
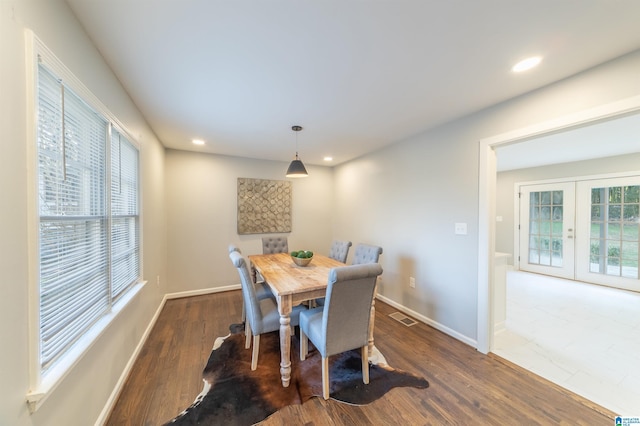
(342,323)
(262,315)
(272,245)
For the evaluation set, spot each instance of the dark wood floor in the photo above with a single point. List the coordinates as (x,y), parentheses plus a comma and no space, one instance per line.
(466,387)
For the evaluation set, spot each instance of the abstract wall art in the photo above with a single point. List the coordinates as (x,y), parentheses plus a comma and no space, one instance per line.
(264,206)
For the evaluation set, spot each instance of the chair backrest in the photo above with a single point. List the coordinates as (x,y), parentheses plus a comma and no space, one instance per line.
(272,245)
(340,250)
(233,247)
(252,306)
(347,309)
(365,253)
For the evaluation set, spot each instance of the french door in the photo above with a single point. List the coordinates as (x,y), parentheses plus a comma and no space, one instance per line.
(547,229)
(587,230)
(610,232)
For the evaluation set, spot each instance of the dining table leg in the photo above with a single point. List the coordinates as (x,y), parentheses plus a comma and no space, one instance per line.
(284,309)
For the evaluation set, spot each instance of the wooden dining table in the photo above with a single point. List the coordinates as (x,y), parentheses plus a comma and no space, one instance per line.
(292,284)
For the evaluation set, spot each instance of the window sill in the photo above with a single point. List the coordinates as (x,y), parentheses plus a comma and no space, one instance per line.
(48,383)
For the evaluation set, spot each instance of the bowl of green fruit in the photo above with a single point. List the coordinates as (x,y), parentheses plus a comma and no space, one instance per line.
(302,257)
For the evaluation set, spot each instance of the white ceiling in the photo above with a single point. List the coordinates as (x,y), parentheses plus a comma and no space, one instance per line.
(356,74)
(617,136)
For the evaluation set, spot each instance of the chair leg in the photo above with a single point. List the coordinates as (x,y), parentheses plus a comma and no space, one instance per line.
(304,345)
(247,335)
(256,351)
(365,364)
(325,377)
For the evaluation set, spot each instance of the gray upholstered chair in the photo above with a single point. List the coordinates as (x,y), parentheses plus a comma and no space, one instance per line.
(340,250)
(365,253)
(342,323)
(272,245)
(262,315)
(263,291)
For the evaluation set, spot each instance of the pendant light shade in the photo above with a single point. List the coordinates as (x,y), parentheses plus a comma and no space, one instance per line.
(296,168)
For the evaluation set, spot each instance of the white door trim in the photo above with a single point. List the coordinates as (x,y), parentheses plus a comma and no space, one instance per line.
(487,194)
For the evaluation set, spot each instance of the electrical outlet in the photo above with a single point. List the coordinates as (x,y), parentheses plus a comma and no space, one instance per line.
(460,229)
(158,280)
(412,282)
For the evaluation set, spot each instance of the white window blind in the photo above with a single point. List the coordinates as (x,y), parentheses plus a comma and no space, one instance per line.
(125,240)
(88,212)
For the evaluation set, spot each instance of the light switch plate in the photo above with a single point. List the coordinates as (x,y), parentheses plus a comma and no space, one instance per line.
(460,229)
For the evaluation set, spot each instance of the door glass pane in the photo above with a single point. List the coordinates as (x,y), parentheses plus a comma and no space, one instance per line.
(545,198)
(597,230)
(557,198)
(557,213)
(614,211)
(545,257)
(545,228)
(630,232)
(631,212)
(545,212)
(556,252)
(615,231)
(534,198)
(533,256)
(629,259)
(631,194)
(615,194)
(556,228)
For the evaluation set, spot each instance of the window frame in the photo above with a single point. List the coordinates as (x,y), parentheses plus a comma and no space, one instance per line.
(42,385)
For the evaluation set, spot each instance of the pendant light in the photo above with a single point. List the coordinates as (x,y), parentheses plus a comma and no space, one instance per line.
(296,168)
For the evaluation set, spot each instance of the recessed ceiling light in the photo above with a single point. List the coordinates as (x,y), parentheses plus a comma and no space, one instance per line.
(527,64)
(328,158)
(198,142)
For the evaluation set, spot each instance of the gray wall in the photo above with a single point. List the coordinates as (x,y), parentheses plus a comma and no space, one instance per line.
(201,215)
(408,196)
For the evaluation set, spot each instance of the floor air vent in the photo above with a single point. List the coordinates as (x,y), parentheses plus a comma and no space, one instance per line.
(399,316)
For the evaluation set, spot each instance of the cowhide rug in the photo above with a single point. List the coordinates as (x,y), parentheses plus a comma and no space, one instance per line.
(235,395)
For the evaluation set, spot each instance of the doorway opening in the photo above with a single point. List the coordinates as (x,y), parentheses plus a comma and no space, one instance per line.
(487,340)
(487,198)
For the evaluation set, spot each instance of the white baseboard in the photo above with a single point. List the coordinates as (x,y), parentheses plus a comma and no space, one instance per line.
(202,291)
(430,322)
(104,415)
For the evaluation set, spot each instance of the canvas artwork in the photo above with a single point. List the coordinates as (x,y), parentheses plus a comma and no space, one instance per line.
(264,206)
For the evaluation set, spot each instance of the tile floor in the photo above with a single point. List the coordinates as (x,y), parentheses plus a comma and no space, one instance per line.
(583,337)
